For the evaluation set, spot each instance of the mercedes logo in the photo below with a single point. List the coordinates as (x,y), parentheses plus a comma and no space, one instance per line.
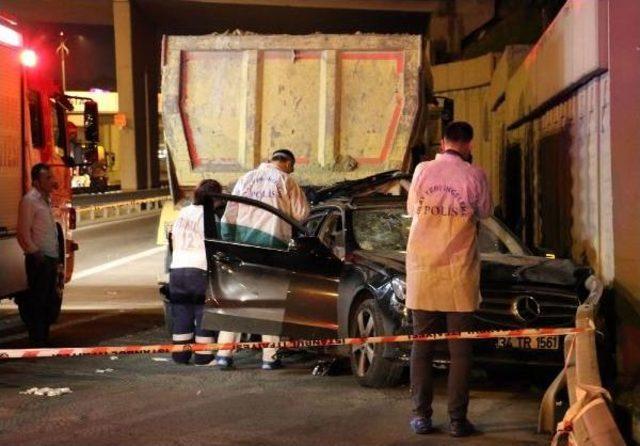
(526,308)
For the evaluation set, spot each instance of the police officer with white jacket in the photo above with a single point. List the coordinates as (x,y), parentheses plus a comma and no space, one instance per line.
(188,276)
(447,198)
(272,184)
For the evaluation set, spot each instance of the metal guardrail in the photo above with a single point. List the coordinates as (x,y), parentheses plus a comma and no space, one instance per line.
(85,200)
(588,421)
(92,209)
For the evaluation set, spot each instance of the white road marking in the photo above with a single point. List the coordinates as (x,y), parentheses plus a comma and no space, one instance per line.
(111,306)
(115,263)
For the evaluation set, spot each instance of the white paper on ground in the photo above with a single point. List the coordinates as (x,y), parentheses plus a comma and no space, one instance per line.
(46,391)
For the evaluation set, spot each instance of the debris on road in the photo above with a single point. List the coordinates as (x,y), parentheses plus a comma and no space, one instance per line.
(160,359)
(104,370)
(114,358)
(47,391)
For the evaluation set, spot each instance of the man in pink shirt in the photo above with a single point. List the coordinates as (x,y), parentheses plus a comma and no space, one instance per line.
(38,237)
(447,198)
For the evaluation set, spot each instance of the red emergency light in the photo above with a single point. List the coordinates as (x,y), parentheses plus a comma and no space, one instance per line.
(28,58)
(10,36)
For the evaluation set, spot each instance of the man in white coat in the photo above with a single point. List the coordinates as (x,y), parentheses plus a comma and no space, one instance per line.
(447,198)
(272,184)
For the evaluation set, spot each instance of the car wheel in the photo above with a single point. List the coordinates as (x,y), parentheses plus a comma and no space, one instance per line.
(370,368)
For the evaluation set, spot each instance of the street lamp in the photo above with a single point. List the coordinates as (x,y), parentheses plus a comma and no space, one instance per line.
(63,51)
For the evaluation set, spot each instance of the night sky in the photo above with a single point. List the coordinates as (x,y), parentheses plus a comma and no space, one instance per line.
(91,59)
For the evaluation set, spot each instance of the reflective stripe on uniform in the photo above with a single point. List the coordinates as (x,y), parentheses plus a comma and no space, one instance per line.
(182,337)
(205,340)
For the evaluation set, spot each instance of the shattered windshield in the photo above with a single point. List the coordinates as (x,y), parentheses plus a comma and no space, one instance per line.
(381,229)
(387,229)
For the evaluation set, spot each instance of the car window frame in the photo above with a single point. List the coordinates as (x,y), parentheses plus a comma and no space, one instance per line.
(328,214)
(315,215)
(212,233)
(504,234)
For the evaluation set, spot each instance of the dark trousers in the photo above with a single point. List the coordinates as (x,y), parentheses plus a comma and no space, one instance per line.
(429,322)
(41,302)
(187,320)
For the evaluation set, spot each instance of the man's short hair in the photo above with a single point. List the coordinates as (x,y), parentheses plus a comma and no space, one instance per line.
(283,155)
(205,189)
(36,170)
(459,131)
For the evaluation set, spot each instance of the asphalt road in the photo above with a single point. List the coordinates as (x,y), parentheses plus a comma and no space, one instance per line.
(117,267)
(148,400)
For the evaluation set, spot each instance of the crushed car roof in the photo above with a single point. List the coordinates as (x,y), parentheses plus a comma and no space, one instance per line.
(352,190)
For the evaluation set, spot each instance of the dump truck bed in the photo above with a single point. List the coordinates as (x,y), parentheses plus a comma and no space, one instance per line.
(344,104)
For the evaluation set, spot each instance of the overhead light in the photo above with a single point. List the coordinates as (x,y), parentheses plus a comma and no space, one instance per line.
(29,58)
(10,36)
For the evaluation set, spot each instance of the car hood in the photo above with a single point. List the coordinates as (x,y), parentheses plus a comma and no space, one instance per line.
(532,269)
(382,260)
(505,268)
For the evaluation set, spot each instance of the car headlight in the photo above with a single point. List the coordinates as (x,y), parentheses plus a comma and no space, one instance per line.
(399,288)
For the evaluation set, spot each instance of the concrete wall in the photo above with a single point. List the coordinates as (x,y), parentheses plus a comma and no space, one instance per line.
(578,126)
(624,63)
(558,92)
(467,83)
(567,111)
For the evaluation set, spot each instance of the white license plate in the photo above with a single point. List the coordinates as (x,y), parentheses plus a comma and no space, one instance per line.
(530,343)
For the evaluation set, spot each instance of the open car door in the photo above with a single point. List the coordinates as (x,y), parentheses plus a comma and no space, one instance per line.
(263,285)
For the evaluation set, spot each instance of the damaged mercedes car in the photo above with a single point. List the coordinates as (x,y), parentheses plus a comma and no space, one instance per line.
(343,275)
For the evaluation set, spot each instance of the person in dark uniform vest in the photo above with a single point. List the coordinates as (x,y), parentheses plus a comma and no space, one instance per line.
(188,276)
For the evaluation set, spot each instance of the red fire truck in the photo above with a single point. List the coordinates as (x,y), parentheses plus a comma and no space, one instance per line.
(33,123)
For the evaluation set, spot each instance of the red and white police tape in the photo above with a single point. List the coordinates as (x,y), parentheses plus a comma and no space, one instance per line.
(171,348)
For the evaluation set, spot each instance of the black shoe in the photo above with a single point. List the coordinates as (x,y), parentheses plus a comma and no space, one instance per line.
(461,428)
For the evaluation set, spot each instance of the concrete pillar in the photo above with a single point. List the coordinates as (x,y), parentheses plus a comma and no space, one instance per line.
(137,72)
(124,79)
(145,41)
(624,64)
(249,137)
(329,119)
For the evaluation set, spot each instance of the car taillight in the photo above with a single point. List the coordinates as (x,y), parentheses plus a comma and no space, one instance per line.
(72,218)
